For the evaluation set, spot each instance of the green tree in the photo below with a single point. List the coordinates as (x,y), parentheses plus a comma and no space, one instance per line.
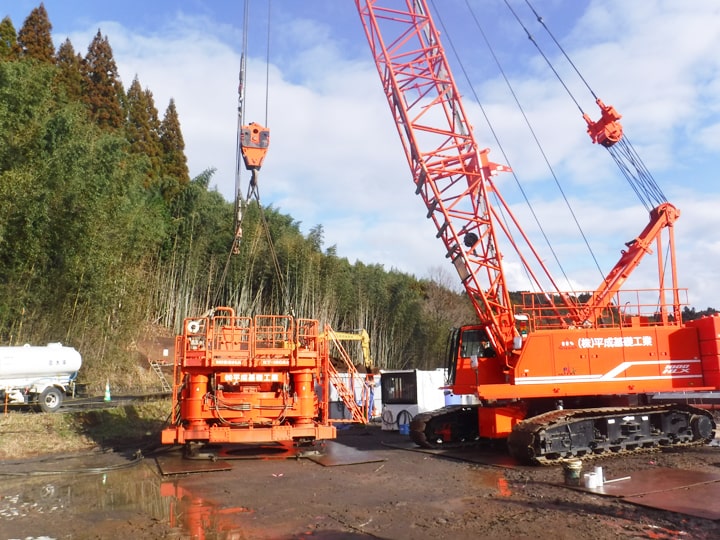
(78,230)
(174,162)
(690,313)
(102,90)
(25,98)
(69,79)
(443,309)
(189,275)
(142,128)
(34,37)
(9,48)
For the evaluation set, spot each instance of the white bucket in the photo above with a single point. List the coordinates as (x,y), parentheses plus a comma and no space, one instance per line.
(590,480)
(599,476)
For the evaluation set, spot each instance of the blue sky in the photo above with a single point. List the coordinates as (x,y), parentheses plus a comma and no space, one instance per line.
(335,158)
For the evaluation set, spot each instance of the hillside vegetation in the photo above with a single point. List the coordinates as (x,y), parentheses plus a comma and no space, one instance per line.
(105,239)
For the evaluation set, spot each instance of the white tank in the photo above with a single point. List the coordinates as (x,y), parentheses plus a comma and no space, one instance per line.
(25,363)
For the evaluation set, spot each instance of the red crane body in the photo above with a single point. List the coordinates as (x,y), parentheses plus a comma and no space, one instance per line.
(597,352)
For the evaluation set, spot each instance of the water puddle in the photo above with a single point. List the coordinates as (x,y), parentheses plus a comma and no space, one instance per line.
(49,504)
(493,480)
(39,501)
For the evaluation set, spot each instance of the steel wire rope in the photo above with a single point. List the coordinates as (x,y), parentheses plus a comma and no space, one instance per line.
(542,152)
(253,190)
(267,63)
(643,185)
(283,285)
(495,135)
(622,152)
(251,255)
(651,195)
(274,256)
(137,458)
(239,202)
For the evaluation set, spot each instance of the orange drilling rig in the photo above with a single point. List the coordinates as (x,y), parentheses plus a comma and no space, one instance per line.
(562,374)
(249,380)
(266,378)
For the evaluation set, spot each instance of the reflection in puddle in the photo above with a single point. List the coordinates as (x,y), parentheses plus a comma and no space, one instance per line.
(130,489)
(503,487)
(199,517)
(493,479)
(34,506)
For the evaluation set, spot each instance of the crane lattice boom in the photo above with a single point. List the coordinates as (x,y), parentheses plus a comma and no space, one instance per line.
(451,174)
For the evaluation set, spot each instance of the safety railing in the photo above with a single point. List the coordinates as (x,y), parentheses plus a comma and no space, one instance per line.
(629,308)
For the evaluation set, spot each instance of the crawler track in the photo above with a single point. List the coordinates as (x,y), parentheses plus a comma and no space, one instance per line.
(557,436)
(449,427)
(585,434)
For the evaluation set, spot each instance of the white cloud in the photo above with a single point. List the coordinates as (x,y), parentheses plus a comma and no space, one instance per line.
(335,157)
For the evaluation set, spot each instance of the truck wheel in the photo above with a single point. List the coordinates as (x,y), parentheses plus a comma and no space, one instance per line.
(50,399)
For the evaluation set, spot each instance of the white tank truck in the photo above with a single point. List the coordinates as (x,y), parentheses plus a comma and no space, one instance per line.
(38,375)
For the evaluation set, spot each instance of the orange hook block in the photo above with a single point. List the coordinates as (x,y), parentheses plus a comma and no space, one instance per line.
(254,143)
(606,131)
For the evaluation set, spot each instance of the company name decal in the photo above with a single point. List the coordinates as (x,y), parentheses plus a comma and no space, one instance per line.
(250,377)
(615,342)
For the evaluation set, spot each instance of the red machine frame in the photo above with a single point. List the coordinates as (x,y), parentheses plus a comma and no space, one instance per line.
(249,380)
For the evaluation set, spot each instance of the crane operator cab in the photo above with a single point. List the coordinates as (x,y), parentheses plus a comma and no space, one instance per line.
(475,343)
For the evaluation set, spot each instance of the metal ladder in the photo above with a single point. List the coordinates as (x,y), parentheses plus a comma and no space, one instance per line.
(357,410)
(158,371)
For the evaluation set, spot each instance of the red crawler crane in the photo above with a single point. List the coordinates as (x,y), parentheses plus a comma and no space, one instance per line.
(565,374)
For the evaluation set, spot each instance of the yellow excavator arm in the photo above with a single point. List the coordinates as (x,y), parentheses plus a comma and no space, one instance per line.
(364,338)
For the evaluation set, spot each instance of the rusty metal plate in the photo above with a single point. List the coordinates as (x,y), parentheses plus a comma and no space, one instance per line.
(700,500)
(471,454)
(692,493)
(654,480)
(335,454)
(176,464)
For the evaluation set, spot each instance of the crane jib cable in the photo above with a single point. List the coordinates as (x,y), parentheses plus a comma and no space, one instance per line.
(627,159)
(537,142)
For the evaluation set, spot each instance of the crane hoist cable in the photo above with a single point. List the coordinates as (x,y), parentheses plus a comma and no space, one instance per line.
(252,143)
(253,139)
(606,131)
(240,201)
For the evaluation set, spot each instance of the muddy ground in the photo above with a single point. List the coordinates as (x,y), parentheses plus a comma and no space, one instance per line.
(398,493)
